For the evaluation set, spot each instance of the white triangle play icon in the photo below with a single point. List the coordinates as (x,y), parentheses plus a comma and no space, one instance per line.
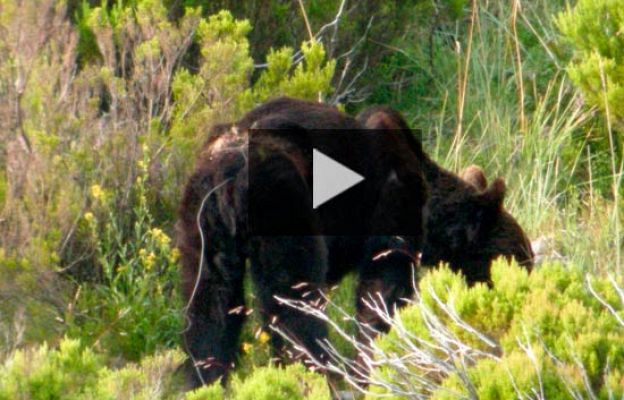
(330,178)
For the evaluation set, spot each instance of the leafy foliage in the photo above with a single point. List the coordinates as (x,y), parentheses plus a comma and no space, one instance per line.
(553,332)
(134,307)
(355,34)
(270,383)
(74,372)
(593,30)
(49,374)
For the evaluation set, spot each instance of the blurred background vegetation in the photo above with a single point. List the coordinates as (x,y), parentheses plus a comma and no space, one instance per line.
(104,103)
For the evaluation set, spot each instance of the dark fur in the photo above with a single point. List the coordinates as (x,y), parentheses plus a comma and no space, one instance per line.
(466,223)
(280,264)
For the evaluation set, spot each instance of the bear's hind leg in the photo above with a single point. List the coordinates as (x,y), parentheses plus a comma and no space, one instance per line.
(294,268)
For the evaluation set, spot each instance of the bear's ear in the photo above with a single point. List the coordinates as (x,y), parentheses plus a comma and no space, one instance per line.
(493,196)
(474,175)
(488,206)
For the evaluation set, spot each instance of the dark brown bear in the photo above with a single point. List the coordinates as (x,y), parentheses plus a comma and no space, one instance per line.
(215,241)
(466,224)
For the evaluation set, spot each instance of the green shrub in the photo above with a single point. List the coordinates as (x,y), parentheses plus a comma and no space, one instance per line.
(43,373)
(275,383)
(155,377)
(593,29)
(212,392)
(270,383)
(279,24)
(221,90)
(310,79)
(548,332)
(73,372)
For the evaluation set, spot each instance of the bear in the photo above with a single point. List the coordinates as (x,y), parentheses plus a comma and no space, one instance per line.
(216,241)
(466,224)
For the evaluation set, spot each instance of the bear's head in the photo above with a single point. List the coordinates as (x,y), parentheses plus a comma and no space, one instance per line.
(468,227)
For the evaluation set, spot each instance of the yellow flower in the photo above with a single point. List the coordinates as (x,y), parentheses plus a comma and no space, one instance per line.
(149,261)
(175,255)
(143,164)
(247,347)
(264,338)
(96,192)
(161,237)
(89,217)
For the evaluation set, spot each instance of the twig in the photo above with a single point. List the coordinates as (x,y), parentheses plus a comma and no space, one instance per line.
(603,301)
(305,19)
(519,78)
(463,77)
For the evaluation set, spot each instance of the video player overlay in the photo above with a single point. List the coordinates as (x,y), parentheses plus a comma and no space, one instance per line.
(333,182)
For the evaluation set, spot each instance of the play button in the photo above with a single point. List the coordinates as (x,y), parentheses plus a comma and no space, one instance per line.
(333,184)
(330,178)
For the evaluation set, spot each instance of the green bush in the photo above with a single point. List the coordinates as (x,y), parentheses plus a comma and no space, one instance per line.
(270,383)
(221,90)
(155,377)
(358,40)
(549,332)
(593,29)
(42,373)
(73,372)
